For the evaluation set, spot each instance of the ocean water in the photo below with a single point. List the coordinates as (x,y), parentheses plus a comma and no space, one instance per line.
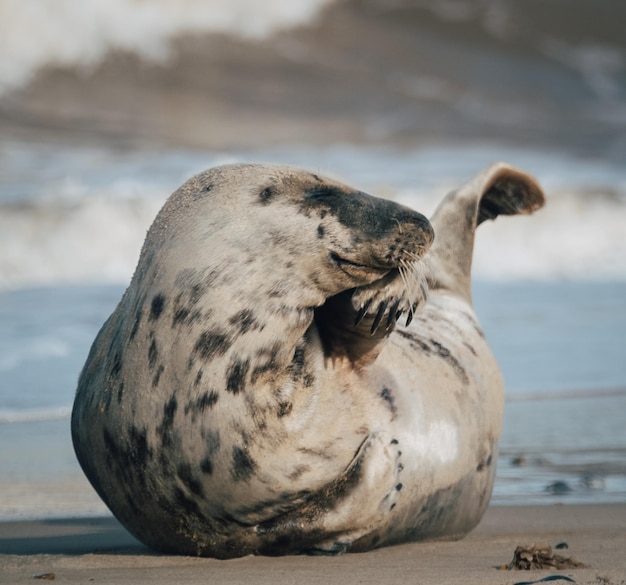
(555,318)
(82,179)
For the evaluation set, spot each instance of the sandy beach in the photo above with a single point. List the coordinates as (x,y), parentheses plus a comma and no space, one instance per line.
(99,550)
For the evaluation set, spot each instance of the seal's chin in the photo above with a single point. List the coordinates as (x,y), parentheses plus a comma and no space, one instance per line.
(359,272)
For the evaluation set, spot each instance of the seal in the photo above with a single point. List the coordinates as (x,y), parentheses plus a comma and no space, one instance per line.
(296,368)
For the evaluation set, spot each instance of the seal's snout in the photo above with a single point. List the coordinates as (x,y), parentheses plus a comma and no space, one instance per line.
(408,237)
(418,227)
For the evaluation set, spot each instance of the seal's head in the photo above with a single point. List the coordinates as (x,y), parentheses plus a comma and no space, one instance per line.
(317,236)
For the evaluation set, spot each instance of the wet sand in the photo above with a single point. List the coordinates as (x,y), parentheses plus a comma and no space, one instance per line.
(100,551)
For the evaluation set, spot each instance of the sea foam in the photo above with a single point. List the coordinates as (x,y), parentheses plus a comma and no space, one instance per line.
(83,218)
(71,33)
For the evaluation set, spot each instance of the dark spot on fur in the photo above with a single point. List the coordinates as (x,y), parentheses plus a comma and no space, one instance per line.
(193,285)
(446,355)
(320,231)
(169,411)
(181,313)
(127,456)
(120,392)
(211,344)
(298,471)
(236,376)
(139,446)
(206,466)
(284,408)
(116,368)
(138,316)
(472,350)
(157,306)
(211,439)
(196,382)
(266,362)
(202,403)
(442,351)
(153,353)
(186,315)
(266,196)
(482,465)
(157,375)
(165,428)
(387,396)
(243,465)
(187,477)
(245,321)
(415,340)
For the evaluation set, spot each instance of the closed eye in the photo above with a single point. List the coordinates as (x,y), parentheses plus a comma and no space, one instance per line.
(266,196)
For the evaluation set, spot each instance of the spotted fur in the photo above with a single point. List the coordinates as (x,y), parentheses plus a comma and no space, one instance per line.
(292,370)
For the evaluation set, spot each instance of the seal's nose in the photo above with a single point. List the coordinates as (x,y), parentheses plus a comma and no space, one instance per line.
(388,230)
(411,232)
(409,238)
(418,225)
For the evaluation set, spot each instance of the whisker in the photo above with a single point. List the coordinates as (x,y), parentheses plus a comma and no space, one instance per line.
(412,277)
(416,281)
(408,271)
(402,270)
(405,271)
(415,257)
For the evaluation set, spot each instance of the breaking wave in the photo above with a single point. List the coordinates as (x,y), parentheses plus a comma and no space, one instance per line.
(87,226)
(70,33)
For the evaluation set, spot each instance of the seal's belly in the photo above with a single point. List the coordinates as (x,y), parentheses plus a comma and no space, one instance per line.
(444,395)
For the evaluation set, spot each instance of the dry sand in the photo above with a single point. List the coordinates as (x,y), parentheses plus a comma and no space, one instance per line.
(101,551)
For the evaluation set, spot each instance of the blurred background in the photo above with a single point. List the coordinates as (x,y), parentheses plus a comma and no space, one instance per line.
(107,106)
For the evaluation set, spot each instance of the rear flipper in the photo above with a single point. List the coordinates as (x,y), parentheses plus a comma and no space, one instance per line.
(498,190)
(354,505)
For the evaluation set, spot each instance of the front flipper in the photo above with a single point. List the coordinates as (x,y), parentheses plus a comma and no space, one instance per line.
(355,323)
(348,508)
(400,294)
